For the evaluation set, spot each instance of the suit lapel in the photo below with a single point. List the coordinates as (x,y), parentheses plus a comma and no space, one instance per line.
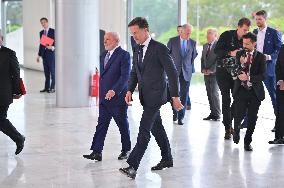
(110,61)
(147,56)
(266,39)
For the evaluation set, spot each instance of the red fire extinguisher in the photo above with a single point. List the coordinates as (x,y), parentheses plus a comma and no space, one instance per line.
(95,84)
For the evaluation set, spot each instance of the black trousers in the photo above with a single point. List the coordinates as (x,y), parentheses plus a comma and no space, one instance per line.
(151,122)
(6,126)
(226,85)
(246,101)
(279,123)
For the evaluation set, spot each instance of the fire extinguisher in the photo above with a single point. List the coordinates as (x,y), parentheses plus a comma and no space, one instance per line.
(95,84)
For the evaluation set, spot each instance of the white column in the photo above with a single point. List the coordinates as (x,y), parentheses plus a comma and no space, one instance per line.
(77,50)
(182,12)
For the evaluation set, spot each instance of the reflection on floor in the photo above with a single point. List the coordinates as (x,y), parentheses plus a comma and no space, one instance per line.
(56,139)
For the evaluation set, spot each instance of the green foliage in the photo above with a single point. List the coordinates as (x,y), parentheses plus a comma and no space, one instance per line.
(12,28)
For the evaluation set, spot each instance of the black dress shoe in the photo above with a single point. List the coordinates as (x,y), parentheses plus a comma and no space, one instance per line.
(208,117)
(129,171)
(123,155)
(273,130)
(163,164)
(20,145)
(51,91)
(277,141)
(248,147)
(94,156)
(236,136)
(180,122)
(44,90)
(228,134)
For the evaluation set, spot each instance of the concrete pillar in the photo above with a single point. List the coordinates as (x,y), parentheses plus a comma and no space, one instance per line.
(182,12)
(77,50)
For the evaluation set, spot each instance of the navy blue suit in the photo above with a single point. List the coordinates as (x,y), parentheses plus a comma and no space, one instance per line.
(272,45)
(114,76)
(48,57)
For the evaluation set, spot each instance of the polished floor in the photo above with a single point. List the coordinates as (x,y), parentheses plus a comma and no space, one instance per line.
(56,139)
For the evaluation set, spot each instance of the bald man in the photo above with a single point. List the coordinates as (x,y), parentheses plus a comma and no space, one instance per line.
(115,70)
(208,68)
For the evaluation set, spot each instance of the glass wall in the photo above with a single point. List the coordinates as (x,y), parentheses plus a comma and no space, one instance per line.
(162,16)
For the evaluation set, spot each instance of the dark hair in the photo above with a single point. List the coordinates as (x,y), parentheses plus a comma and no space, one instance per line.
(44,18)
(244,21)
(250,36)
(179,26)
(140,22)
(262,13)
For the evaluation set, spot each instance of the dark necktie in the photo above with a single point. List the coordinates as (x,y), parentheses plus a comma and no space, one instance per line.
(106,59)
(208,50)
(140,56)
(247,84)
(45,32)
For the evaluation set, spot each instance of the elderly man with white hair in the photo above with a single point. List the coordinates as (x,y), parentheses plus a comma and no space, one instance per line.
(114,70)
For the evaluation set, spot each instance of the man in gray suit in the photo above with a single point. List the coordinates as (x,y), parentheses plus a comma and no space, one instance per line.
(208,68)
(183,51)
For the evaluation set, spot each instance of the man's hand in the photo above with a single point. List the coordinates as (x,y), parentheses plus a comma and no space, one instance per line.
(233,53)
(281,85)
(109,94)
(128,98)
(50,47)
(243,76)
(177,104)
(37,59)
(17,96)
(243,59)
(205,72)
(267,57)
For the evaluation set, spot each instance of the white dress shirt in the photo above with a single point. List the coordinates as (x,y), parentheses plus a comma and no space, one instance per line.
(146,44)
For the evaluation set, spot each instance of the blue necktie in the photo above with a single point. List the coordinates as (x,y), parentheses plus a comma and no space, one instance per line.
(106,59)
(184,47)
(45,32)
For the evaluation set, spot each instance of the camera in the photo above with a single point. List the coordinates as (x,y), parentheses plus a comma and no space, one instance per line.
(232,66)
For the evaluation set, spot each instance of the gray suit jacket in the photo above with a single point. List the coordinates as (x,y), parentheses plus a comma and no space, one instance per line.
(210,61)
(184,64)
(151,80)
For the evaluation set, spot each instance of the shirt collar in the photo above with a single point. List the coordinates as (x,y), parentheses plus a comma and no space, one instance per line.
(147,41)
(263,30)
(111,52)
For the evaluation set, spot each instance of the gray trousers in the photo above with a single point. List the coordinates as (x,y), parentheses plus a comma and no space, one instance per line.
(212,94)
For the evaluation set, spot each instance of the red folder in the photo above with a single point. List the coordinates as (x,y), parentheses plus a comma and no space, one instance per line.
(46,41)
(22,86)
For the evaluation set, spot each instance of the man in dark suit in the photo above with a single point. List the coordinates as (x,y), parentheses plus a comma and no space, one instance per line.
(48,57)
(151,63)
(227,46)
(114,69)
(208,68)
(269,43)
(279,123)
(9,89)
(183,50)
(248,89)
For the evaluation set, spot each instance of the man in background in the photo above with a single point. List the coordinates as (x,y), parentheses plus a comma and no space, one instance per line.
(208,68)
(10,89)
(48,57)
(229,43)
(183,51)
(114,69)
(269,43)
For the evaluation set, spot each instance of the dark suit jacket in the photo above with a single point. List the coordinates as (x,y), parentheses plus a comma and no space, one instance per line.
(272,45)
(280,65)
(184,64)
(114,77)
(210,61)
(152,82)
(257,75)
(46,54)
(9,76)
